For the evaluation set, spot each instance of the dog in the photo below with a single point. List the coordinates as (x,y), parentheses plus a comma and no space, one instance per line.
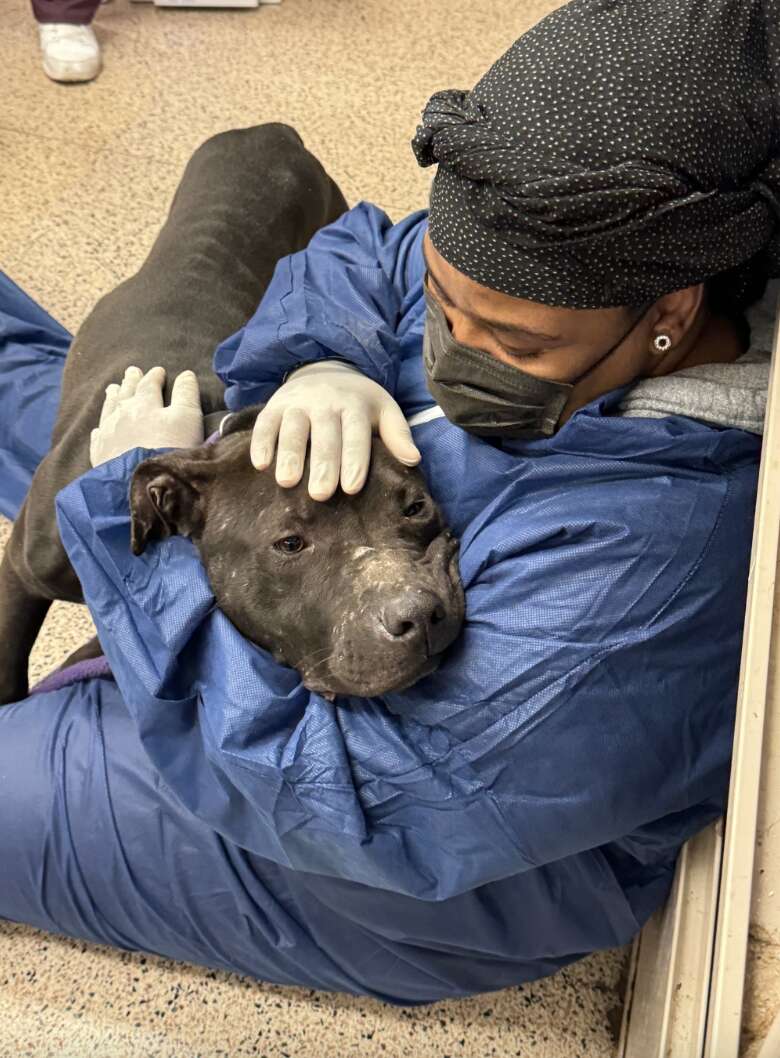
(394,601)
(361,594)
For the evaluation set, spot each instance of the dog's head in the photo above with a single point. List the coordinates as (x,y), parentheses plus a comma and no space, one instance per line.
(361,594)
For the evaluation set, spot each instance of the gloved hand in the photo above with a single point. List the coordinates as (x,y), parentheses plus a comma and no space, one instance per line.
(338,408)
(134,415)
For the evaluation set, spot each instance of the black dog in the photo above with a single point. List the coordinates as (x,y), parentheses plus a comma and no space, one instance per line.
(360,594)
(247,198)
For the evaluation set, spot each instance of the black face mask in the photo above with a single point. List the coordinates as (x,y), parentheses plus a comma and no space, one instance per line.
(484,395)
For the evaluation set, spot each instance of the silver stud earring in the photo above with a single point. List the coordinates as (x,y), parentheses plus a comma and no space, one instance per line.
(662,343)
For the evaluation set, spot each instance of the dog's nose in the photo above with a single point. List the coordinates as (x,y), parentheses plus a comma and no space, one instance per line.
(418,615)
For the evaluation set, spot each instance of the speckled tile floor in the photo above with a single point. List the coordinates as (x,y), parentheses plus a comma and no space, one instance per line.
(87,173)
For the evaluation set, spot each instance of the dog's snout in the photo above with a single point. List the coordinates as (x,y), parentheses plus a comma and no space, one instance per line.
(416,615)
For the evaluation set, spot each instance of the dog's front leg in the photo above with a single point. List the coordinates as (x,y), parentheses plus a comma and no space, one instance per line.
(21,616)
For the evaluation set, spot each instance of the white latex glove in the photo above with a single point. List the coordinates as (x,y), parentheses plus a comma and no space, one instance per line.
(134,415)
(337,408)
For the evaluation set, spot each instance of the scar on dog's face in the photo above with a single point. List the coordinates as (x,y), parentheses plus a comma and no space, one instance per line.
(361,594)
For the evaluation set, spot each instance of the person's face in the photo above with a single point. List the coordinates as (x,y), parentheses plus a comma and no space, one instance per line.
(558,344)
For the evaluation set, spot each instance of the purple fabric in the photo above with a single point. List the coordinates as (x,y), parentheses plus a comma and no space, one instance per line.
(77,12)
(89,669)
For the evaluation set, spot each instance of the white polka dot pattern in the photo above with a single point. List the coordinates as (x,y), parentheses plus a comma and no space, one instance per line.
(617,151)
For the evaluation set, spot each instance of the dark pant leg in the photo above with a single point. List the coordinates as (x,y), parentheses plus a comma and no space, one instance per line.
(77,12)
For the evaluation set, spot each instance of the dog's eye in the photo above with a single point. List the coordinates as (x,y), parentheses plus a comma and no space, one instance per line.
(289,545)
(414,508)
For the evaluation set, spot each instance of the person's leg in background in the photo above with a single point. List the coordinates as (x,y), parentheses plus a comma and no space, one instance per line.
(70,48)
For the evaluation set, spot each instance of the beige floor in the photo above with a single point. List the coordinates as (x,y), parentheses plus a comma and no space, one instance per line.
(86,173)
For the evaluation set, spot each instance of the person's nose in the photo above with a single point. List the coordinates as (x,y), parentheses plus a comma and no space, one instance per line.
(461,328)
(468,333)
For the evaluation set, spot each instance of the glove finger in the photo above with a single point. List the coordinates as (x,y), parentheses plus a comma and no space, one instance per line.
(325,458)
(291,449)
(150,388)
(264,434)
(394,431)
(355,451)
(186,391)
(132,377)
(93,440)
(110,403)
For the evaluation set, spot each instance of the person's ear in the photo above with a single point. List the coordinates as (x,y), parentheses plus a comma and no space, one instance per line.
(675,316)
(167,496)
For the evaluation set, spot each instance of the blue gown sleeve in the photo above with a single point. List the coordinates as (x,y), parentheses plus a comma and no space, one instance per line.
(33,347)
(345,296)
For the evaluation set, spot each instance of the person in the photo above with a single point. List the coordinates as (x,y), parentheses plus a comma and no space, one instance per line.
(70,49)
(566,335)
(602,213)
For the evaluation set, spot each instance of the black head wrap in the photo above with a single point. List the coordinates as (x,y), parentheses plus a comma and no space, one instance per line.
(620,150)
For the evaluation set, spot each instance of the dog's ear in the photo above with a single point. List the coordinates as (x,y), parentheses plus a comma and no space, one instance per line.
(238,421)
(166,497)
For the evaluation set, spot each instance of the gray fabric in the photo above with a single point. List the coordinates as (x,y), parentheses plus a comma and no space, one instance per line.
(719,394)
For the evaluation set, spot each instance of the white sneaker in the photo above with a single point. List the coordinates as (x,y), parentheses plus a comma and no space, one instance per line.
(70,53)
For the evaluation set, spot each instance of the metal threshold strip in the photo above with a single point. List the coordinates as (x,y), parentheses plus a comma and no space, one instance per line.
(685,993)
